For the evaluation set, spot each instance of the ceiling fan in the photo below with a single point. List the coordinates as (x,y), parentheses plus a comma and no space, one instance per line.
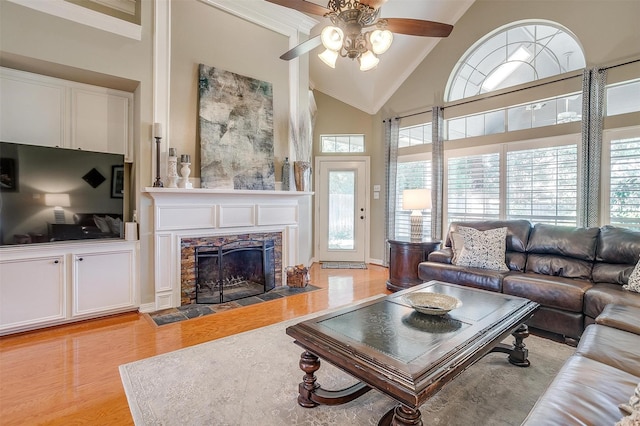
(357,31)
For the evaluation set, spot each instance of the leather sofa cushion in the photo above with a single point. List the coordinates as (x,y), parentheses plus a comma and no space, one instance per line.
(585,392)
(557,321)
(602,294)
(611,273)
(611,346)
(622,317)
(618,245)
(559,266)
(444,255)
(472,277)
(564,241)
(556,292)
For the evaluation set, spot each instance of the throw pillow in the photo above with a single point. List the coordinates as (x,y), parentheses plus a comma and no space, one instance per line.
(114,224)
(634,402)
(634,280)
(481,249)
(632,419)
(101,223)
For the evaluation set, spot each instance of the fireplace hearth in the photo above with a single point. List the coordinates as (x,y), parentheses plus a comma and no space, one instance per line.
(234,270)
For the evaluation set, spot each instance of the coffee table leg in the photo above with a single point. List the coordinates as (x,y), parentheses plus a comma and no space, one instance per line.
(518,353)
(309,363)
(401,415)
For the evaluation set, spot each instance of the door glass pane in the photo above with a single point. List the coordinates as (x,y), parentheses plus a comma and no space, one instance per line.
(342,189)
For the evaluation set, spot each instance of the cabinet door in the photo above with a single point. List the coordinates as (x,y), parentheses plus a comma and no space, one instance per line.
(32,110)
(103,282)
(100,120)
(32,291)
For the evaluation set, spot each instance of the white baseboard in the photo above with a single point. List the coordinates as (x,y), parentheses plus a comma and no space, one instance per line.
(378,262)
(145,308)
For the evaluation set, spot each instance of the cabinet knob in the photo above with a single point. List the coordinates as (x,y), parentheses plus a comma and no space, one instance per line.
(56,261)
(80,259)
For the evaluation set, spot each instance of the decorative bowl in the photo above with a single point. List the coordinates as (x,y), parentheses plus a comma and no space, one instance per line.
(432,303)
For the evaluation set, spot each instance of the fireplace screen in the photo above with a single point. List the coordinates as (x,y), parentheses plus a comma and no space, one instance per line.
(234,270)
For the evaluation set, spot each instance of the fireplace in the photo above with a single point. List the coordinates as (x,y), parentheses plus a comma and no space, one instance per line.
(234,270)
(223,268)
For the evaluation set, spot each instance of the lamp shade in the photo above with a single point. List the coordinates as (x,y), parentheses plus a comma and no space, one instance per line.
(57,200)
(416,199)
(368,61)
(332,38)
(380,41)
(329,57)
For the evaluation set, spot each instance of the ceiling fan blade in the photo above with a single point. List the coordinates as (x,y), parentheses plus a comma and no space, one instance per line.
(418,27)
(302,48)
(302,6)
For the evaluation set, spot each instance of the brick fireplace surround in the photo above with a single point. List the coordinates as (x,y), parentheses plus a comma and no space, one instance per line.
(196,215)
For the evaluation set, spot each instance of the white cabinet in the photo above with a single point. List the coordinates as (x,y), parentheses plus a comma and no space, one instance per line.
(40,110)
(102,281)
(32,291)
(100,120)
(64,282)
(32,109)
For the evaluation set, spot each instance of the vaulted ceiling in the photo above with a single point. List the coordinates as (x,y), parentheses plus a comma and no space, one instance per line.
(368,91)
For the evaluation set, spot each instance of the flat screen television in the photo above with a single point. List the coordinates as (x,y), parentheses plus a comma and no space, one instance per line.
(52,194)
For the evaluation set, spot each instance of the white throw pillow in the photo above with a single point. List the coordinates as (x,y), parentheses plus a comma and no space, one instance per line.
(634,280)
(480,249)
(102,224)
(634,402)
(114,224)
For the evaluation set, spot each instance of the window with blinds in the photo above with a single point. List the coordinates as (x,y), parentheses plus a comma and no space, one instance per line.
(473,187)
(411,175)
(541,185)
(624,188)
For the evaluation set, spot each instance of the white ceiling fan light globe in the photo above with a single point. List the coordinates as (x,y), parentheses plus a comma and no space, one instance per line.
(329,57)
(368,61)
(332,37)
(380,41)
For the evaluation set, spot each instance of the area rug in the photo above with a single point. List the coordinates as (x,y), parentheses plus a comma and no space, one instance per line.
(252,379)
(344,265)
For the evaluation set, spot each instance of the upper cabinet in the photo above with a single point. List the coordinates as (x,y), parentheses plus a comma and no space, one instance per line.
(41,110)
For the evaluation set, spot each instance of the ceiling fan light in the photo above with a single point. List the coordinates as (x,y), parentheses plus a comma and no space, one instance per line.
(381,41)
(332,37)
(329,57)
(368,61)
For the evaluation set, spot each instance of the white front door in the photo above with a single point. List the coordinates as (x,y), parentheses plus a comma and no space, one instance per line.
(342,205)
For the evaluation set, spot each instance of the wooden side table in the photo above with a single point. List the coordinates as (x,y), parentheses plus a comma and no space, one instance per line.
(403,262)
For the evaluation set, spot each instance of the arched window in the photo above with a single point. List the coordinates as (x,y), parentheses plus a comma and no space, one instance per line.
(515,54)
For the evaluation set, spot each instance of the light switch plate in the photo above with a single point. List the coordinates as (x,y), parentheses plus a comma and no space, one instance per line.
(376,188)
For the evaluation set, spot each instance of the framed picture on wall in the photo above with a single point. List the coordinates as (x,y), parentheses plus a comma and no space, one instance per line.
(8,175)
(117,181)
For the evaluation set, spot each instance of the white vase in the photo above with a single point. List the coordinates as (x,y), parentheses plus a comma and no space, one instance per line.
(185,171)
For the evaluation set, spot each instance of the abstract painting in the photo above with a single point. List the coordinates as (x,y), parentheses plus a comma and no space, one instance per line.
(236,131)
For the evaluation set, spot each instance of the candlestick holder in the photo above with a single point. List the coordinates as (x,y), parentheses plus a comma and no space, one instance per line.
(185,171)
(172,169)
(158,183)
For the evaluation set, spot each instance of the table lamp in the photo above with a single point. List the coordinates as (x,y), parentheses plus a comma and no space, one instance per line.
(57,201)
(416,200)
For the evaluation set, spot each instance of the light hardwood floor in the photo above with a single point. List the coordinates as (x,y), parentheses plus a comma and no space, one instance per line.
(69,375)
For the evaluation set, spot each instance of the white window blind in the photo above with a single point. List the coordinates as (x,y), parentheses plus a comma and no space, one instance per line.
(624,198)
(542,185)
(411,175)
(473,187)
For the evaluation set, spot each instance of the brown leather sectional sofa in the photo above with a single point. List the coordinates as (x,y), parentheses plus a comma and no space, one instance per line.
(573,273)
(602,373)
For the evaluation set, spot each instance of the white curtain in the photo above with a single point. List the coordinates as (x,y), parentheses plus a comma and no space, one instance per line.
(391,136)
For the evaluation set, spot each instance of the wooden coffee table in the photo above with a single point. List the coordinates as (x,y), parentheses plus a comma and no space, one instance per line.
(406,355)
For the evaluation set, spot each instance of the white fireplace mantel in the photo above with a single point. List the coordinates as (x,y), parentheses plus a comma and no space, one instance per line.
(179,213)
